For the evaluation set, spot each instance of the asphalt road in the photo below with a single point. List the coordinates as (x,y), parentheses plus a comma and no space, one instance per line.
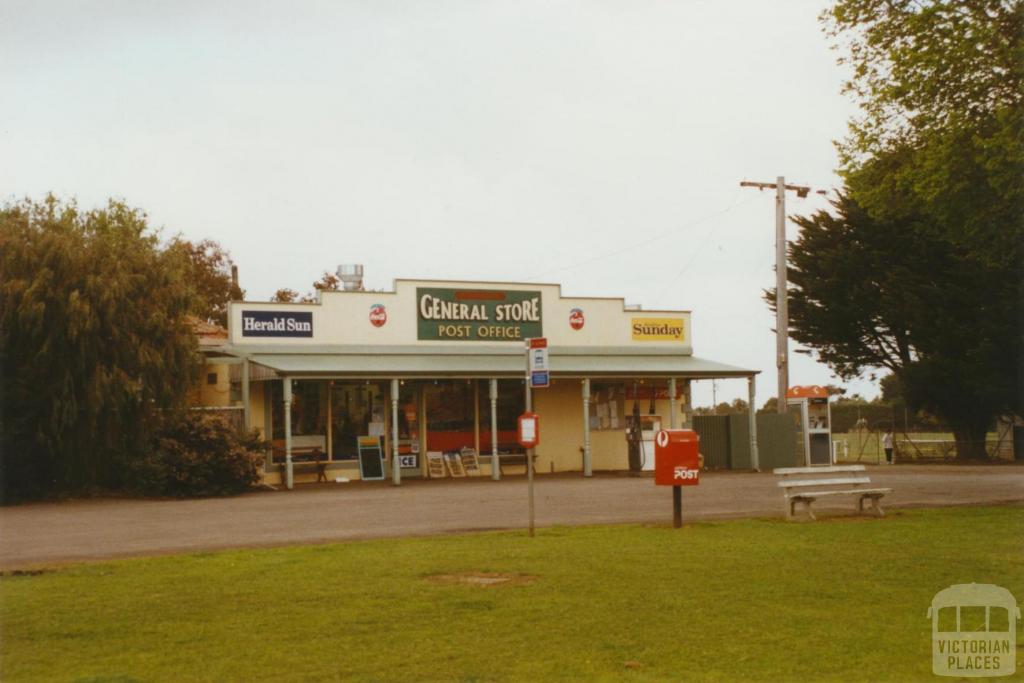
(50,533)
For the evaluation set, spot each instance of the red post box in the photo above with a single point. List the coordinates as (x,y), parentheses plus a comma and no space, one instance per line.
(677,457)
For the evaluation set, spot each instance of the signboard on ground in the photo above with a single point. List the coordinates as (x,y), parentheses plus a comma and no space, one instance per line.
(371,458)
(435,465)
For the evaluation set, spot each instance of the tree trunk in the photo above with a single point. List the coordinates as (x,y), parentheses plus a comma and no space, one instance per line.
(970,443)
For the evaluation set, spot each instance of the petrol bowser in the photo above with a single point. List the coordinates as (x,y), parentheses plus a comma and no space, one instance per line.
(810,407)
(634,440)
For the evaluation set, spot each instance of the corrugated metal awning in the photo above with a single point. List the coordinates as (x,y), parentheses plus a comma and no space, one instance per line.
(450,361)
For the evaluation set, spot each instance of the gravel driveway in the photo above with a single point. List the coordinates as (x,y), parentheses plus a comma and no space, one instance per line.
(42,533)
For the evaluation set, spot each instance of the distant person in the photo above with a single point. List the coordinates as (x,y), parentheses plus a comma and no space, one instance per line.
(887,445)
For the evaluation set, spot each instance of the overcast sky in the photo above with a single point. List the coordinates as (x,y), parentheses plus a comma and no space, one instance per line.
(596,144)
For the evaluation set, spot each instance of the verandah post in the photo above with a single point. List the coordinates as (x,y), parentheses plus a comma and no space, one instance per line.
(396,466)
(587,466)
(495,460)
(288,472)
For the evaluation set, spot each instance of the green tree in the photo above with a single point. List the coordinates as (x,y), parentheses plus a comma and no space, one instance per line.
(95,344)
(868,293)
(328,282)
(920,269)
(285,296)
(211,278)
(940,136)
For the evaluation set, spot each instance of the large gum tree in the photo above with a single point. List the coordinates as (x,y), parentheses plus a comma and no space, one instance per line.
(918,267)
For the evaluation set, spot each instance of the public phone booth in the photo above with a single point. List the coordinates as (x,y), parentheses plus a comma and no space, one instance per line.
(809,406)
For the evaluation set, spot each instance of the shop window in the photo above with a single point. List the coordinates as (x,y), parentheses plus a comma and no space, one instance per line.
(235,384)
(309,409)
(450,415)
(607,406)
(408,413)
(357,409)
(511,404)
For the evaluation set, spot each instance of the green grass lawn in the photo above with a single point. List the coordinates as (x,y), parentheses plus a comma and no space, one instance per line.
(841,599)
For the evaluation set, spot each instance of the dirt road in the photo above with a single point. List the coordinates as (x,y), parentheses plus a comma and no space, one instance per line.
(43,533)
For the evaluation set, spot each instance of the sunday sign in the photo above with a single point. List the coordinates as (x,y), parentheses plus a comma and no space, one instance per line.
(477,314)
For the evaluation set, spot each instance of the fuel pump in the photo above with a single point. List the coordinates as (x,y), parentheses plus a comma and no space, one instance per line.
(634,437)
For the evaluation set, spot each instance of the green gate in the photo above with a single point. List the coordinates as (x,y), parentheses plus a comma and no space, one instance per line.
(725,441)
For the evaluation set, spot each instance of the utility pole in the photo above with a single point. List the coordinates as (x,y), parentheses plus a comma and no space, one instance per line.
(781,301)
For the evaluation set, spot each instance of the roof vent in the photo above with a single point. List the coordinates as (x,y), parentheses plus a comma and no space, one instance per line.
(351,276)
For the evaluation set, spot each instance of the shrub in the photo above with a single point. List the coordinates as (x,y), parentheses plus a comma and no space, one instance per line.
(198,454)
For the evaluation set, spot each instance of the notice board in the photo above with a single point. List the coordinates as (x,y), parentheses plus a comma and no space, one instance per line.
(371,458)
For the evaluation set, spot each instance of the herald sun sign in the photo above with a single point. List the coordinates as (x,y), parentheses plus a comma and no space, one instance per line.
(677,457)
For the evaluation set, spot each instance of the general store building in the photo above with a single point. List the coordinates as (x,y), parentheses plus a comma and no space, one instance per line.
(439,366)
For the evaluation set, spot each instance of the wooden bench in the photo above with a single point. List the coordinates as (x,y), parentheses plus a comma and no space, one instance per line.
(839,480)
(513,460)
(304,459)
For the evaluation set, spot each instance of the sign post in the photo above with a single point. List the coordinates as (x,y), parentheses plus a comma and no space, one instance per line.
(537,376)
(677,464)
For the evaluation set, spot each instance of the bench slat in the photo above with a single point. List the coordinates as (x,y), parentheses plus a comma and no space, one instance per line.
(820,469)
(838,481)
(849,492)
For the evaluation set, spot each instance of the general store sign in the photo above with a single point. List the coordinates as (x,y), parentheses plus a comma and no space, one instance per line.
(658,329)
(477,315)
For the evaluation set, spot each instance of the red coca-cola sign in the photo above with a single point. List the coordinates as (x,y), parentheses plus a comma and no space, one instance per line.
(576,319)
(378,315)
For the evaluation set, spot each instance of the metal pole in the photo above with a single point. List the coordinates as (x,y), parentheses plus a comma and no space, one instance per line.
(396,466)
(289,480)
(587,465)
(781,302)
(755,460)
(495,458)
(677,507)
(529,452)
(677,491)
(672,403)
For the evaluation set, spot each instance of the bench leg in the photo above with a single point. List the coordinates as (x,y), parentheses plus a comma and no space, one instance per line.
(876,503)
(791,508)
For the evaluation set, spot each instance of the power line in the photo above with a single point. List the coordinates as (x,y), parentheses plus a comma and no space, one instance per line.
(637,245)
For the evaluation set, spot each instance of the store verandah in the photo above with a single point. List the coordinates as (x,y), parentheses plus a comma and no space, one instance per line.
(324,427)
(332,420)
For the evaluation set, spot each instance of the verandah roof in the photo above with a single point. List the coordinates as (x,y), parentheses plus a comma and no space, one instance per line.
(508,361)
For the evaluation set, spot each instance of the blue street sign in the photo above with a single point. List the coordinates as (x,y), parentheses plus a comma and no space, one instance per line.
(539,379)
